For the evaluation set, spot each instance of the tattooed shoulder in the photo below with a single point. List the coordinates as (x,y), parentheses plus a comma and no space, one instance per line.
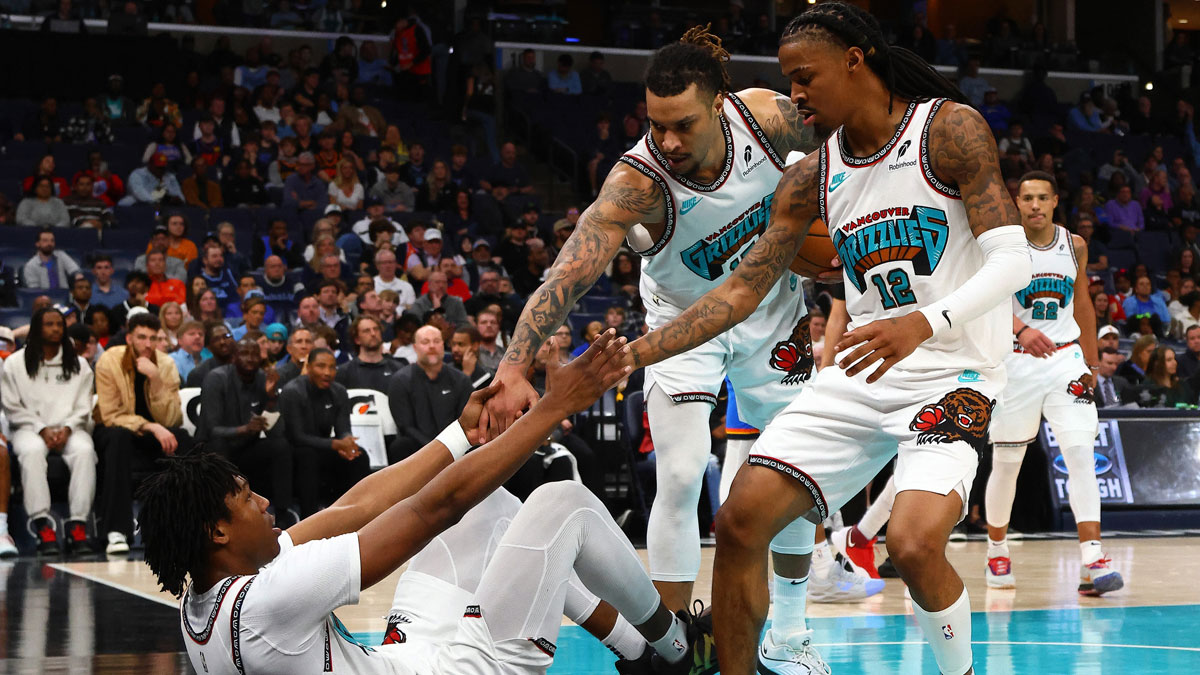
(783,124)
(962,152)
(632,196)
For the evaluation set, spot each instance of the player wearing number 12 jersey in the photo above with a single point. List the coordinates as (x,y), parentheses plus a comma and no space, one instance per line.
(910,188)
(1051,372)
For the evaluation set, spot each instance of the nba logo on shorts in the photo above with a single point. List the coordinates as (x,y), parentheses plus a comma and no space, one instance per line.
(947,631)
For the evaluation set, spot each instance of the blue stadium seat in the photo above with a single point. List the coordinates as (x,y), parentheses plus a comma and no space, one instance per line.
(125,239)
(84,238)
(141,218)
(1154,249)
(599,304)
(13,317)
(26,296)
(577,321)
(1122,259)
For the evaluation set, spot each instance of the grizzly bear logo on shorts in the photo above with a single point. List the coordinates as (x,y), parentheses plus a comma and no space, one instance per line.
(962,415)
(1082,389)
(794,355)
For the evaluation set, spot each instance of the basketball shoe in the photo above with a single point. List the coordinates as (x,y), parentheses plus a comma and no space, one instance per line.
(842,583)
(701,656)
(8,547)
(1098,578)
(850,542)
(642,665)
(794,656)
(999,573)
(47,538)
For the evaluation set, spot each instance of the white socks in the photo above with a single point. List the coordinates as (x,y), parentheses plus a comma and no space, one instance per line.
(625,641)
(791,598)
(3,523)
(1090,551)
(948,633)
(673,645)
(997,549)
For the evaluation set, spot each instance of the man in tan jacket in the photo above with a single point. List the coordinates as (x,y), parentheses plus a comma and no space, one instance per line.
(138,417)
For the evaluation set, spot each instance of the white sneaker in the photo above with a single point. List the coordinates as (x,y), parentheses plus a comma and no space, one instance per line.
(795,656)
(842,583)
(8,547)
(116,544)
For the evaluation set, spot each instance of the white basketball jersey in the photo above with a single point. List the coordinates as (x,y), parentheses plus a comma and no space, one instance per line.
(707,228)
(904,242)
(1045,304)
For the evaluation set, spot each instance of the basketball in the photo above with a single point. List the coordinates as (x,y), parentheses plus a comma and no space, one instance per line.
(813,257)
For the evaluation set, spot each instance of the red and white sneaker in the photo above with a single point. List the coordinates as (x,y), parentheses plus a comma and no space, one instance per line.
(999,573)
(861,551)
(1098,578)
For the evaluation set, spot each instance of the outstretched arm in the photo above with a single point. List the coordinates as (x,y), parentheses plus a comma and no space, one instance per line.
(794,211)
(626,199)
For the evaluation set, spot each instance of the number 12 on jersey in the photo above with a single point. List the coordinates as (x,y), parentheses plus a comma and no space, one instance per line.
(896,291)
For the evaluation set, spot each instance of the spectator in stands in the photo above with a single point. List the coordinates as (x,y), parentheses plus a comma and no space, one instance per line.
(157,110)
(46,390)
(995,112)
(98,319)
(278,289)
(1134,368)
(588,334)
(345,190)
(316,416)
(427,256)
(190,352)
(170,146)
(284,164)
(1110,387)
(45,167)
(386,279)
(227,238)
(84,208)
(241,187)
(104,291)
(304,189)
(328,293)
(596,80)
(490,350)
(1162,387)
(153,184)
(393,193)
(1085,116)
(137,284)
(90,126)
(527,279)
(1124,212)
(277,243)
(42,208)
(118,107)
(224,127)
(44,124)
(525,77)
(370,368)
(232,402)
(425,396)
(480,262)
(161,240)
(1189,363)
(413,171)
(455,286)
(438,297)
(198,189)
(219,343)
(171,318)
(508,172)
(299,345)
(464,347)
(254,311)
(48,268)
(138,418)
(971,84)
(564,79)
(127,21)
(252,74)
(460,174)
(438,192)
(360,118)
(81,295)
(217,274)
(373,69)
(1157,186)
(163,288)
(1145,301)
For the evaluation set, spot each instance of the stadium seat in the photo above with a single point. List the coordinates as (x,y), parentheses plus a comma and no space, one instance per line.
(13,317)
(1122,259)
(189,402)
(1154,250)
(140,217)
(371,421)
(84,238)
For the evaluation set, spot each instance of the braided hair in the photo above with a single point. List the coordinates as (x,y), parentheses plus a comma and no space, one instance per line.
(905,74)
(181,505)
(698,58)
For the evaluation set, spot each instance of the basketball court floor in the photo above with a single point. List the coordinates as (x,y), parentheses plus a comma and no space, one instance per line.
(109,617)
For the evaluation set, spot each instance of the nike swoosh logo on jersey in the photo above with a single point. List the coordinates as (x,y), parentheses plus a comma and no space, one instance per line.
(837,180)
(946,316)
(445,391)
(688,205)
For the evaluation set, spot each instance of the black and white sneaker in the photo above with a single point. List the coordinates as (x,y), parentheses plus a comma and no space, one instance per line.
(701,655)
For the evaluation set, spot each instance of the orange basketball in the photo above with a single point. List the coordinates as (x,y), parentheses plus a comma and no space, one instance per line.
(814,256)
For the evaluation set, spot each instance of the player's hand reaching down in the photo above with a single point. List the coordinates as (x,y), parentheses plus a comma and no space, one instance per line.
(575,386)
(885,341)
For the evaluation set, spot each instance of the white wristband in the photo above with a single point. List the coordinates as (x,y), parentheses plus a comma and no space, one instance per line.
(455,440)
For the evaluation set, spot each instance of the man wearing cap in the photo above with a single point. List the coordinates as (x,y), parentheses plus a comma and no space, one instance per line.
(1108,336)
(421,262)
(153,184)
(48,267)
(563,227)
(277,335)
(481,259)
(279,289)
(191,348)
(304,189)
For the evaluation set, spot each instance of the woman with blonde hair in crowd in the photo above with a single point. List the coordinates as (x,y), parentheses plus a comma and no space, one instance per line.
(171,317)
(345,189)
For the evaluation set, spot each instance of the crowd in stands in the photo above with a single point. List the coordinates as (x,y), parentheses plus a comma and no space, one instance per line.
(224,259)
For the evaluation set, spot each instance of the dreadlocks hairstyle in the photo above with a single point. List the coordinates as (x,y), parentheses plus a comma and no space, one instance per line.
(181,505)
(906,75)
(698,58)
(34,346)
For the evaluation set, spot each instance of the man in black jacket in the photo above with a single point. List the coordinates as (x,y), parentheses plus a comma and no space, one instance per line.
(233,422)
(371,368)
(425,396)
(313,406)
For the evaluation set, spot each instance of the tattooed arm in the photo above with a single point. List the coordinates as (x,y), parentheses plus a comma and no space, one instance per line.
(963,153)
(725,306)
(626,199)
(783,125)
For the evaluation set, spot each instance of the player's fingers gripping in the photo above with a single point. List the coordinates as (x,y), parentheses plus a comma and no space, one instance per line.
(869,353)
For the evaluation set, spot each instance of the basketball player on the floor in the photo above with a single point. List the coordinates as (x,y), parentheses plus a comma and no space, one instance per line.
(262,601)
(931,250)
(1051,372)
(692,196)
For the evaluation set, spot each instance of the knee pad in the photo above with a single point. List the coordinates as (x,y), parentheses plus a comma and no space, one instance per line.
(1008,454)
(1082,490)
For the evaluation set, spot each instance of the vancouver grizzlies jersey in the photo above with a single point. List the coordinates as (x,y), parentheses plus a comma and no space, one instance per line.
(708,228)
(904,242)
(1045,304)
